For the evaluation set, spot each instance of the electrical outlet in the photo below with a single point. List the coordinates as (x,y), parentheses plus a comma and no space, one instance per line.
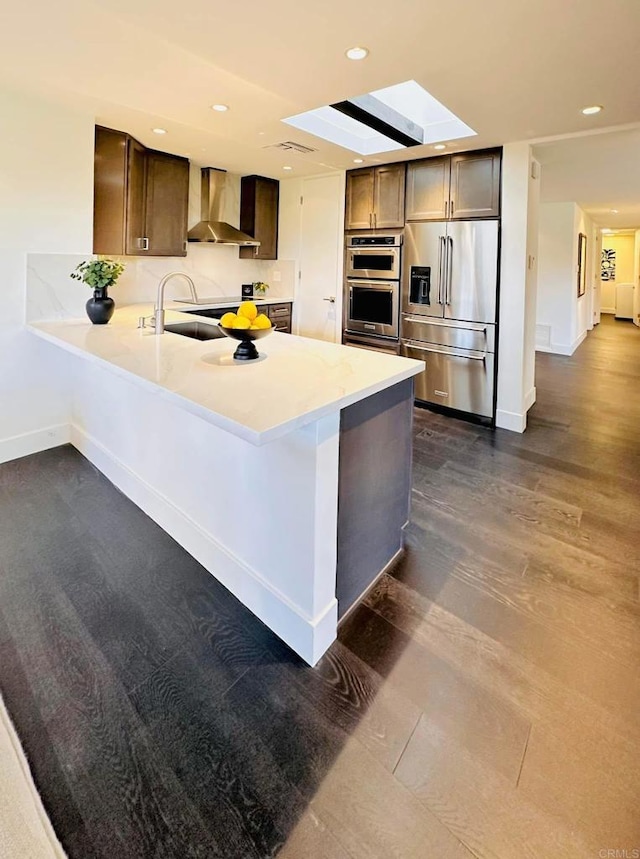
(275,276)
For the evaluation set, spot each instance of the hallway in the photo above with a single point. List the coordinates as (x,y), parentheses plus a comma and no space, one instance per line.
(482,702)
(527,547)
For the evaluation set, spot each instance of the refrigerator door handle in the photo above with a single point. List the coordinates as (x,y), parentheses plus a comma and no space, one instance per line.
(441,249)
(447,299)
(481,329)
(450,351)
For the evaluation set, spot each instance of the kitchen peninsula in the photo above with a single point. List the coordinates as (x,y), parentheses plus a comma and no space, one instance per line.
(287,477)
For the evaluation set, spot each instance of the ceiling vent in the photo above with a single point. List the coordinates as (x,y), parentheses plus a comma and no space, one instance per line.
(291,146)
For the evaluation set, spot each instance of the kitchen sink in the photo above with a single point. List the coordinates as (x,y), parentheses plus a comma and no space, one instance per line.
(195,330)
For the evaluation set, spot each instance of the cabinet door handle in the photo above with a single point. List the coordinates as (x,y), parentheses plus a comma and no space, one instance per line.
(375,220)
(446,209)
(144,243)
(452,208)
(370,220)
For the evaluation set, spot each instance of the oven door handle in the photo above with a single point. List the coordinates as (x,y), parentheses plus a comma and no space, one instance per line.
(451,352)
(380,285)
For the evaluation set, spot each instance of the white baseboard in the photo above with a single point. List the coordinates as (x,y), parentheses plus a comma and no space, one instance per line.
(608,310)
(33,442)
(513,421)
(563,348)
(530,399)
(309,637)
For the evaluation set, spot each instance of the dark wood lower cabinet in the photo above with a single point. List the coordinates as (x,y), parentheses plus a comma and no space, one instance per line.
(279,314)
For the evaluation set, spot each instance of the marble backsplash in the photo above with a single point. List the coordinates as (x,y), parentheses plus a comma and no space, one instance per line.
(216,271)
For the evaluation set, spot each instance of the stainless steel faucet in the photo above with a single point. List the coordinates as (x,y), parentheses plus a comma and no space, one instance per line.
(157,320)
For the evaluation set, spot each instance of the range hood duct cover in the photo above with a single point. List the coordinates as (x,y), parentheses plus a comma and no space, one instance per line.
(212,228)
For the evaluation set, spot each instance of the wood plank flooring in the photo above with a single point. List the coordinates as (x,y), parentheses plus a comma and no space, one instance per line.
(482,702)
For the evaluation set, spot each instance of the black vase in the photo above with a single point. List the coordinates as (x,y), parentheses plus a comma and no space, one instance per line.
(100,308)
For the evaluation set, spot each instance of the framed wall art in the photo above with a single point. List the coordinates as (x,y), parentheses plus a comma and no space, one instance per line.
(582,264)
(608,271)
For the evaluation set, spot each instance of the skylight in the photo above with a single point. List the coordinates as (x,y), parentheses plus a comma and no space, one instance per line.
(384,120)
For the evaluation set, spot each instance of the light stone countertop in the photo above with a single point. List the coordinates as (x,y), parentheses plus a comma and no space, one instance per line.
(295,381)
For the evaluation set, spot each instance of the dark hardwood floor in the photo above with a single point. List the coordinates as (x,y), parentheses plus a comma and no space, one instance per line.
(484,700)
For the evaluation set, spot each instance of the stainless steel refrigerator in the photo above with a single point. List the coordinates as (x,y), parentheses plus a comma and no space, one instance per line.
(449,290)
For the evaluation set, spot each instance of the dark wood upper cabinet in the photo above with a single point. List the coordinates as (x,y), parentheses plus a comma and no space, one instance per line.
(359,202)
(259,201)
(475,185)
(388,196)
(136,190)
(166,204)
(428,189)
(140,198)
(375,197)
(109,182)
(454,186)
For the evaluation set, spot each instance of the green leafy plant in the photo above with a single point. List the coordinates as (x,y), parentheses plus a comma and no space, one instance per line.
(98,273)
(260,287)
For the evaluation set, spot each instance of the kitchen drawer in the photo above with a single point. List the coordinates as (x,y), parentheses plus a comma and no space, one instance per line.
(480,336)
(461,379)
(283,326)
(276,311)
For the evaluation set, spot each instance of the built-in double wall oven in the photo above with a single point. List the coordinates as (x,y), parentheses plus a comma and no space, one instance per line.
(372,288)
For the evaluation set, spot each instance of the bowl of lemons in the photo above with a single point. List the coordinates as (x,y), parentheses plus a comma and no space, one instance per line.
(246,326)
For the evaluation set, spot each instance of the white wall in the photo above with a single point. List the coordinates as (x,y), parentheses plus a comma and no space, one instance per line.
(531,285)
(563,319)
(217,270)
(46,205)
(520,194)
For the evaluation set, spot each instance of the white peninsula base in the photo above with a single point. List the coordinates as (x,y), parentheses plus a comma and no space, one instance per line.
(261,516)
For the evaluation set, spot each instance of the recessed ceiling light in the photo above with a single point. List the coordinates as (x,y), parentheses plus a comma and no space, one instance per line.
(357,53)
(221,108)
(287,168)
(159,130)
(358,160)
(439,146)
(614,211)
(593,108)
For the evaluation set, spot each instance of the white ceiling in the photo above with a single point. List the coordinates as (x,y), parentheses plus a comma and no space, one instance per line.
(511,69)
(600,172)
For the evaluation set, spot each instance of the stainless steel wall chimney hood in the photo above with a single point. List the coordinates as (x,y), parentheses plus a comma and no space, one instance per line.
(212,228)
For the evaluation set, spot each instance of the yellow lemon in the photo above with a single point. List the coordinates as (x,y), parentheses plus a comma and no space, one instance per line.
(248,310)
(241,322)
(228,320)
(261,321)
(254,328)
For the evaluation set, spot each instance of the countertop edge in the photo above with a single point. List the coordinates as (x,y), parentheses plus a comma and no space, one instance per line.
(214,418)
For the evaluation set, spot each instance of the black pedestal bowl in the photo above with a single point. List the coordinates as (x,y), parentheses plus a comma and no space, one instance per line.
(246,351)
